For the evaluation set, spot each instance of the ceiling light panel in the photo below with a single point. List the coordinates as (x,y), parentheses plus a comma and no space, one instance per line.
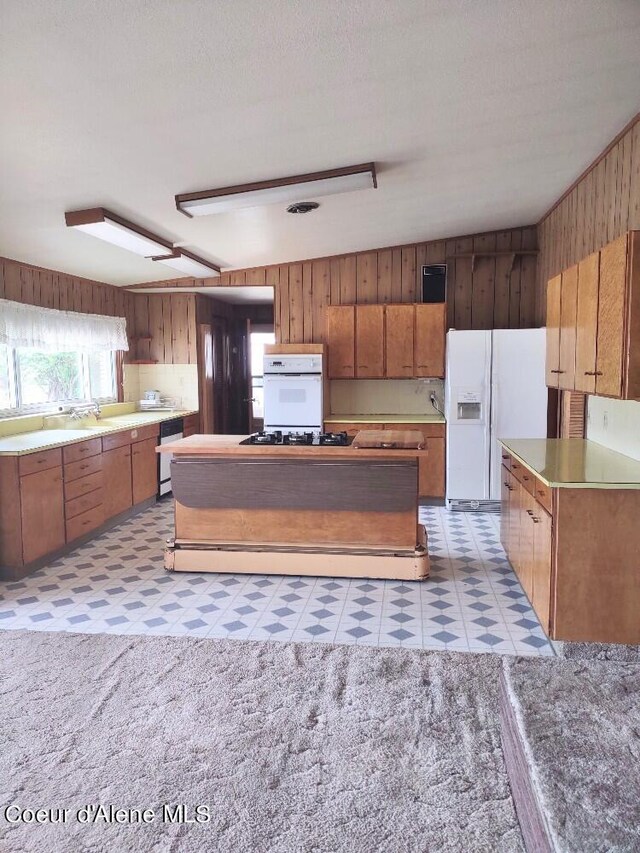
(114,229)
(189,265)
(280,191)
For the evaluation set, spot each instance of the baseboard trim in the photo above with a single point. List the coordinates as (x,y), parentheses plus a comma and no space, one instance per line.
(17,573)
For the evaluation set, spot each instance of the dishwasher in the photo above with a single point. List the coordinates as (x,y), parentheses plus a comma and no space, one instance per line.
(169,431)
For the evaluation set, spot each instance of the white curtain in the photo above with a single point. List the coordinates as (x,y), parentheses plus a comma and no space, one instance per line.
(59,331)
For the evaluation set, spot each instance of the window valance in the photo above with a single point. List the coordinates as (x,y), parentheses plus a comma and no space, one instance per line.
(59,331)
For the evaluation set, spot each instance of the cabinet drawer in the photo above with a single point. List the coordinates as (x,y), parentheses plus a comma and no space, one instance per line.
(517,469)
(542,494)
(84,523)
(82,450)
(79,505)
(506,459)
(83,485)
(351,429)
(75,470)
(129,436)
(528,480)
(39,461)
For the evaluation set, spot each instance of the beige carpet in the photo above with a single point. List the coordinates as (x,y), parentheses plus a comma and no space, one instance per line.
(292,747)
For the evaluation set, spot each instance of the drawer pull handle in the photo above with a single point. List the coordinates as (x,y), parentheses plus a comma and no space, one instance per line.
(593,373)
(557,371)
(535,520)
(530,512)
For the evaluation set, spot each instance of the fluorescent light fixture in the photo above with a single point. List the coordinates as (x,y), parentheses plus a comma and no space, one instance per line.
(114,229)
(279,191)
(189,264)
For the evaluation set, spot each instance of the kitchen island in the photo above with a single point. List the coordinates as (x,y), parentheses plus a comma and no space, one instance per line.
(302,510)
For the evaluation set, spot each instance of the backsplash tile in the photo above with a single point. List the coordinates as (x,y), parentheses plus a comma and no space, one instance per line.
(385,396)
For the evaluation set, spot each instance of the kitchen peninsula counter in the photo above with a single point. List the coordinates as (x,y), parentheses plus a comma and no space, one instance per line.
(309,510)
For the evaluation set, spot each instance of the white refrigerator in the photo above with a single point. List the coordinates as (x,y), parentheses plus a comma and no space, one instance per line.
(495,388)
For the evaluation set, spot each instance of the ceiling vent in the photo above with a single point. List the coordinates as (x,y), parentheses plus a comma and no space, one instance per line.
(303,207)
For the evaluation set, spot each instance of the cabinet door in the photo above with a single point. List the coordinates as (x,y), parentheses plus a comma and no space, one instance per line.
(587,323)
(611,318)
(568,318)
(116,470)
(505,500)
(430,339)
(431,471)
(399,327)
(144,470)
(42,512)
(554,289)
(525,573)
(541,572)
(370,341)
(341,341)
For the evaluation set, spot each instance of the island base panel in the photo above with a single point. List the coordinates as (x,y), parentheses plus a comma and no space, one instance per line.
(291,527)
(406,566)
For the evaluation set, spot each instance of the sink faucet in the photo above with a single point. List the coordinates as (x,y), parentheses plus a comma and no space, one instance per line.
(80,411)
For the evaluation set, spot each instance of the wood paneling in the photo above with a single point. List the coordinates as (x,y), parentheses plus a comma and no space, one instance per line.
(602,205)
(168,317)
(495,291)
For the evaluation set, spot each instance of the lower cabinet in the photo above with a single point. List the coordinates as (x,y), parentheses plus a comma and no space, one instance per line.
(116,470)
(42,513)
(144,469)
(525,531)
(431,469)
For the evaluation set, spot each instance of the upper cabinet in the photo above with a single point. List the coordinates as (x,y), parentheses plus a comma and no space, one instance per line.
(341,332)
(593,323)
(386,341)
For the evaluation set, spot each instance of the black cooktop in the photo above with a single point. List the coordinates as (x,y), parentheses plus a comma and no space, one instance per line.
(299,439)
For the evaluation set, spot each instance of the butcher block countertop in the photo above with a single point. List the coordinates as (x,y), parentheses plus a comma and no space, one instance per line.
(229,445)
(574,463)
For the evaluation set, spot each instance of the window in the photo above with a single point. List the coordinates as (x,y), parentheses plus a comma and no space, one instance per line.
(33,380)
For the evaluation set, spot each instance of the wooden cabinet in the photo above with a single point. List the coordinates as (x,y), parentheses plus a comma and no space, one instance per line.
(349,428)
(612,298)
(593,323)
(525,527)
(144,469)
(554,290)
(399,349)
(341,331)
(430,339)
(191,425)
(386,341)
(541,567)
(587,324)
(431,468)
(116,469)
(370,344)
(41,513)
(568,314)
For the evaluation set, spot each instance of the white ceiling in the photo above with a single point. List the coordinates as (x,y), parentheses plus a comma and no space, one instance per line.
(478,114)
(235,295)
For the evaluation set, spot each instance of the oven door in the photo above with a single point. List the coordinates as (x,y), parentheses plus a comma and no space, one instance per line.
(292,401)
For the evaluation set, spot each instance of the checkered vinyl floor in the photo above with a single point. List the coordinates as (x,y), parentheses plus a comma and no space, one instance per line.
(117,584)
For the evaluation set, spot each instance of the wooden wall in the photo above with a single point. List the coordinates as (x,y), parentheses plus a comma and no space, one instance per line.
(36,286)
(168,317)
(602,204)
(491,295)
